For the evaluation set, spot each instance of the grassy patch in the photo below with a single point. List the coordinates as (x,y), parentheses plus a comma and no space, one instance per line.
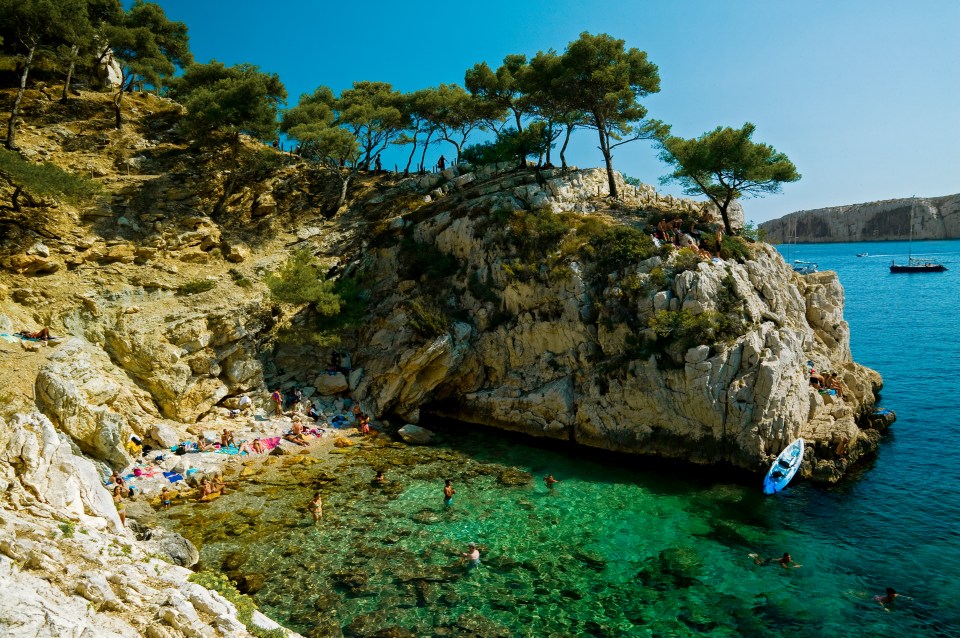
(244,604)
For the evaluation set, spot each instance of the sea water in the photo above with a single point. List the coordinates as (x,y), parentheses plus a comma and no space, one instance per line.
(629,546)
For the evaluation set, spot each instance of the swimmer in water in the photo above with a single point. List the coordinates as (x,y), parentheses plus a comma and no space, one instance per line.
(448,493)
(550,481)
(472,556)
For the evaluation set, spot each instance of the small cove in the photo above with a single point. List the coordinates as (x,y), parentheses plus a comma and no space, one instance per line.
(628,547)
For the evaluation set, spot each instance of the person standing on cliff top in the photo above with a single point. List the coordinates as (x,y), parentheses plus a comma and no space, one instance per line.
(442,162)
(448,493)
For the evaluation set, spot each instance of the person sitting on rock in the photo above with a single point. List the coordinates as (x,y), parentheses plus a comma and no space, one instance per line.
(217,484)
(834,384)
(227,438)
(816,379)
(203,445)
(206,489)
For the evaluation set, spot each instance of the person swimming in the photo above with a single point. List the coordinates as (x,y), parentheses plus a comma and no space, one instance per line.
(887,600)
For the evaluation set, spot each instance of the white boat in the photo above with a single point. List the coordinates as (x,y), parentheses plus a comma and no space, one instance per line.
(784,468)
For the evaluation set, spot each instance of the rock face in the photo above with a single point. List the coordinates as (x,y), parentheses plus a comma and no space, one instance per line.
(68,568)
(566,352)
(890,220)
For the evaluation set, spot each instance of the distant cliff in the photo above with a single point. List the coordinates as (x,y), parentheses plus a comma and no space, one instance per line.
(889,220)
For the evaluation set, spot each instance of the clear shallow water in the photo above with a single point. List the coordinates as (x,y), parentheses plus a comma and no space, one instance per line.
(627,547)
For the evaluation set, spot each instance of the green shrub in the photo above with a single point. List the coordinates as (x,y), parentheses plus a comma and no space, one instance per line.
(753,232)
(658,278)
(619,246)
(44,179)
(426,320)
(244,604)
(68,529)
(685,259)
(684,327)
(536,235)
(239,278)
(301,281)
(733,247)
(196,286)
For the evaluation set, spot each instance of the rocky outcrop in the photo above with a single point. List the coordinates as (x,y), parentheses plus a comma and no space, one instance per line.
(563,355)
(889,220)
(67,566)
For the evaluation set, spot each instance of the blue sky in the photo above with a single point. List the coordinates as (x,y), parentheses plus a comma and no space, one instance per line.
(862,95)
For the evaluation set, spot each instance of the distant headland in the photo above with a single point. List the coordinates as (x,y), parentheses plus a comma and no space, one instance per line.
(887,220)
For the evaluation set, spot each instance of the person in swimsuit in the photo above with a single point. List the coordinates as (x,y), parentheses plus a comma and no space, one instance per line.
(550,481)
(472,555)
(121,506)
(165,498)
(316,507)
(448,493)
(786,561)
(887,599)
(379,479)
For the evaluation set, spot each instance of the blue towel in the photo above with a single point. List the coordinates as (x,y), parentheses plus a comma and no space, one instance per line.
(173,477)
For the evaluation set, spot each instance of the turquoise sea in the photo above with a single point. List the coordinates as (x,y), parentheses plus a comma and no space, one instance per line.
(633,547)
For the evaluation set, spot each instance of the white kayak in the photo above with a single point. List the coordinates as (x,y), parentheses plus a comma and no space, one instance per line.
(784,468)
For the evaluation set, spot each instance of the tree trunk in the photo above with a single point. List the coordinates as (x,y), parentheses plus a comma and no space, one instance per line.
(406,169)
(66,84)
(343,192)
(563,149)
(521,149)
(607,157)
(12,125)
(116,106)
(232,181)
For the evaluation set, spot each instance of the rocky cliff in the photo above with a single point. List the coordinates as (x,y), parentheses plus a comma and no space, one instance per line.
(889,220)
(517,299)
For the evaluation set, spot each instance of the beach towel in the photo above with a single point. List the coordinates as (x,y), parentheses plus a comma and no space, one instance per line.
(173,477)
(270,443)
(9,338)
(228,450)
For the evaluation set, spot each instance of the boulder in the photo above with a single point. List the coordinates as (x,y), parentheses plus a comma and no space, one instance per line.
(331,384)
(415,435)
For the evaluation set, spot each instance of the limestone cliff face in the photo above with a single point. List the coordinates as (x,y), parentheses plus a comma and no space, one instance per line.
(68,567)
(555,354)
(933,218)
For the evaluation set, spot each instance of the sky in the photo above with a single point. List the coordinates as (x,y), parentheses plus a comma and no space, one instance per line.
(862,95)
